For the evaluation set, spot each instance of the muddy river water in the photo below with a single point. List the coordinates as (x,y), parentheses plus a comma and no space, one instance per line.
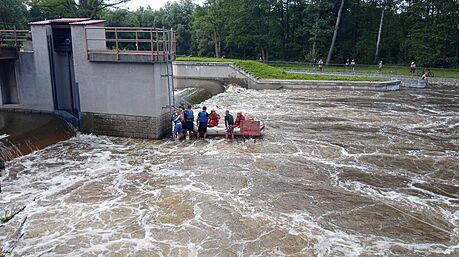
(338,173)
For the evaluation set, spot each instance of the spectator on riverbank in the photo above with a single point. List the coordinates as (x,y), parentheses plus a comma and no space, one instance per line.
(425,78)
(314,63)
(347,64)
(353,65)
(380,66)
(321,64)
(413,68)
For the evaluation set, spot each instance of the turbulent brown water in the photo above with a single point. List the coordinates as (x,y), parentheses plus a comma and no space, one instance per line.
(337,173)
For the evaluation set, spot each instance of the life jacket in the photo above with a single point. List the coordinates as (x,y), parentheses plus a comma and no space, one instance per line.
(203,117)
(237,124)
(213,119)
(176,119)
(189,115)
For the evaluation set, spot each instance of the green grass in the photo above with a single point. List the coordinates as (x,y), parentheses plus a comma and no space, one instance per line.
(389,69)
(265,71)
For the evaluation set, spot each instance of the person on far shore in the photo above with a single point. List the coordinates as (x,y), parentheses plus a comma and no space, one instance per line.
(188,117)
(347,64)
(314,63)
(203,118)
(353,65)
(380,66)
(229,124)
(424,77)
(321,64)
(413,68)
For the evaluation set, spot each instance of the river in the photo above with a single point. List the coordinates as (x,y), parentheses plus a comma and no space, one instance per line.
(338,173)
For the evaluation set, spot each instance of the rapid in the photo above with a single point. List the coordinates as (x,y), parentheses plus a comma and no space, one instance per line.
(337,173)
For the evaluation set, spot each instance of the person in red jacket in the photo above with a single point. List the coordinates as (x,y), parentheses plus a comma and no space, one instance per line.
(239,118)
(214,118)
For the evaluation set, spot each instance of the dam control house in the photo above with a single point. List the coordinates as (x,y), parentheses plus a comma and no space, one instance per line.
(105,80)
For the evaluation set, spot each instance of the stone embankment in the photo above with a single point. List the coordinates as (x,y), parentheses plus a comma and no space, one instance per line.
(214,75)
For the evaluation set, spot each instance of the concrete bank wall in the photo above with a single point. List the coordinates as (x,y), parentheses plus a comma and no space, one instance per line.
(214,74)
(406,81)
(444,81)
(211,76)
(120,99)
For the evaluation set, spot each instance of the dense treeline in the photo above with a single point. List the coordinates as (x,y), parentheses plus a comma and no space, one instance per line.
(394,31)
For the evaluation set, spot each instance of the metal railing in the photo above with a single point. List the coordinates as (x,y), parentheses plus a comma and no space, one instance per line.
(155,42)
(14,37)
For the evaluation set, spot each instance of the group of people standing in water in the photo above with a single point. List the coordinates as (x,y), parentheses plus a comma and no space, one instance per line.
(183,121)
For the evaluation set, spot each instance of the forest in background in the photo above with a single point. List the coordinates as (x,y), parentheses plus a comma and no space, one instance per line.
(424,31)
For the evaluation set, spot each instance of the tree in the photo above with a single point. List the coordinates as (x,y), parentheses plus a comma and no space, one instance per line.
(335,33)
(13,14)
(91,8)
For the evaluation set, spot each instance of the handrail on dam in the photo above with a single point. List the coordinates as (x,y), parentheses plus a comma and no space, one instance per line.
(155,42)
(14,37)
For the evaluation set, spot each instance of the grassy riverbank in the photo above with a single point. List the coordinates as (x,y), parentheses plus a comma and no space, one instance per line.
(265,71)
(389,69)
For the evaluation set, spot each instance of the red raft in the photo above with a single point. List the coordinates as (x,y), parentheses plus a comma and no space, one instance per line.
(249,128)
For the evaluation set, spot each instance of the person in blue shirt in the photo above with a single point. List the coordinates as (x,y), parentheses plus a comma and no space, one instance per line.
(188,117)
(177,119)
(203,118)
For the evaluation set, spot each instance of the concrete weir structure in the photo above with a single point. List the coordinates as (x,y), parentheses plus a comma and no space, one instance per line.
(216,74)
(108,81)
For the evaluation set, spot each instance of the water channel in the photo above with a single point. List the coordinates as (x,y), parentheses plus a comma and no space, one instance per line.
(338,173)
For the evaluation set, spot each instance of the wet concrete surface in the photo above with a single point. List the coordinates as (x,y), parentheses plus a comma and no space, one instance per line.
(336,174)
(22,133)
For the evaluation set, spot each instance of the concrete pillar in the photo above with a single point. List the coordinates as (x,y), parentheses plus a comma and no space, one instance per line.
(120,99)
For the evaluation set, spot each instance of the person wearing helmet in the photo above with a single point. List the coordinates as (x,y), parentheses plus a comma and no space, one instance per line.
(214,118)
(239,118)
(202,120)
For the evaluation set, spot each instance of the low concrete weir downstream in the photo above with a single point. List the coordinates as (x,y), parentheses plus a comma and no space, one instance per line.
(343,173)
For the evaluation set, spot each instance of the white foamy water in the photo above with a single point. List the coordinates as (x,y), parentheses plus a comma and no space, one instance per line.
(337,174)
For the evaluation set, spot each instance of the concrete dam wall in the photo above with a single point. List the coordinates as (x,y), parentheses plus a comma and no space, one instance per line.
(217,74)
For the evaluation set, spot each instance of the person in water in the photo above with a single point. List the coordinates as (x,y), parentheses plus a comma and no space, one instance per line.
(188,117)
(229,124)
(177,120)
(239,118)
(214,118)
(202,119)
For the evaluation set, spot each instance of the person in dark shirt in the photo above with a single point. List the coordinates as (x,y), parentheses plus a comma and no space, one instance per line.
(229,124)
(188,118)
(203,118)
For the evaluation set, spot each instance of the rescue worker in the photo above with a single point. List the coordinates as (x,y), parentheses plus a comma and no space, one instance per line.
(239,118)
(202,120)
(188,117)
(177,119)
(214,118)
(229,124)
